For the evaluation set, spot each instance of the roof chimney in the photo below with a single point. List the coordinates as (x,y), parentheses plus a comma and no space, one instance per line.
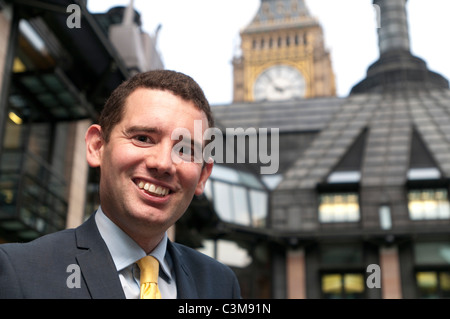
(393,32)
(396,68)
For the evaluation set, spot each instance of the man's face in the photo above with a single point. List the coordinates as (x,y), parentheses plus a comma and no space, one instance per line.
(141,188)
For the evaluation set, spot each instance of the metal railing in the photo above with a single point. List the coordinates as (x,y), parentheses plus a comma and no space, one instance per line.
(32,195)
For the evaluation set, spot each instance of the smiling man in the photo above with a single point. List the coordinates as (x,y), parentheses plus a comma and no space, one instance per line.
(143,191)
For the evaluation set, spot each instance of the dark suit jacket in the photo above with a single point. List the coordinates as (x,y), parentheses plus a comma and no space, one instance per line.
(39,269)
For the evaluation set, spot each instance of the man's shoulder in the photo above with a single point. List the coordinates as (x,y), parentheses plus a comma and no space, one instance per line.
(41,245)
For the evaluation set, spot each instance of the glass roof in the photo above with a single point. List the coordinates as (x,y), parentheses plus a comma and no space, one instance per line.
(44,97)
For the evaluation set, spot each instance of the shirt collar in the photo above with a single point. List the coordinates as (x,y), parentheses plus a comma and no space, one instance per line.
(124,250)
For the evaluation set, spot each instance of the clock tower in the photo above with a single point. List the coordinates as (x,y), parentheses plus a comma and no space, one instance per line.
(283,56)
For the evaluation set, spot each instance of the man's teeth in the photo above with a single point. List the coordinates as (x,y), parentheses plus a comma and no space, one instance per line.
(153,189)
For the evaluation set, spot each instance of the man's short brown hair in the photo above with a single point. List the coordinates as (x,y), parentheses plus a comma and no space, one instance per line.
(177,83)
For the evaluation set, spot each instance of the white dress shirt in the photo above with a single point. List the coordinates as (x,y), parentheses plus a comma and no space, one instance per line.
(125,252)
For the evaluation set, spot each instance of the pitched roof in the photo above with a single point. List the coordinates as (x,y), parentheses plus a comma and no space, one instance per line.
(390,119)
(289,116)
(280,13)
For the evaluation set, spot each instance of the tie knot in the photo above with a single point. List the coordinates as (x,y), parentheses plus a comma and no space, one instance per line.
(149,267)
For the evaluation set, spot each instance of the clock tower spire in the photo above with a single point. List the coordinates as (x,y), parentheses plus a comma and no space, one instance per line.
(282,55)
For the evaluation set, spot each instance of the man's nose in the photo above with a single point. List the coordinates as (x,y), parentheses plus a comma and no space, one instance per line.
(160,160)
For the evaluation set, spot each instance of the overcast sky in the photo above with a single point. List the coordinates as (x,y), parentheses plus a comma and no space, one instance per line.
(200,37)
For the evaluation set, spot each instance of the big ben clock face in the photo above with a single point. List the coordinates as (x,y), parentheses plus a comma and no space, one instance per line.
(280,82)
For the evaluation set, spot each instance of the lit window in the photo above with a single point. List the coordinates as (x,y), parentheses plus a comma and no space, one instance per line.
(338,208)
(428,204)
(433,284)
(336,286)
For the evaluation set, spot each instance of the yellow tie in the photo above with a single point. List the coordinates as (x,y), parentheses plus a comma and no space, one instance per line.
(149,267)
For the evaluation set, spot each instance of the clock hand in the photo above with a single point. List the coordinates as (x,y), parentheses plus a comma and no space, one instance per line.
(278,89)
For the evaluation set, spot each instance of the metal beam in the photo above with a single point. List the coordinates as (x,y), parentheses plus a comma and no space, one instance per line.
(42,5)
(8,66)
(107,44)
(76,93)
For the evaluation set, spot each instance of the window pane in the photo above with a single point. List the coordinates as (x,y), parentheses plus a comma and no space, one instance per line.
(223,201)
(259,204)
(444,280)
(225,173)
(341,255)
(231,254)
(385,217)
(432,253)
(240,204)
(343,286)
(332,285)
(427,283)
(428,204)
(354,283)
(339,207)
(208,189)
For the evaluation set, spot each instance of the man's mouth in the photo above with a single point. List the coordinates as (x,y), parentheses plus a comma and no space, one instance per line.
(153,189)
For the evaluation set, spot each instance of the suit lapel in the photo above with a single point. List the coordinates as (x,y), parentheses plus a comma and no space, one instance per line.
(186,288)
(96,264)
(99,271)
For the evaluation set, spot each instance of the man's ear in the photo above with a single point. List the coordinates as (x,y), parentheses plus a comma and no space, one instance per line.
(204,175)
(94,145)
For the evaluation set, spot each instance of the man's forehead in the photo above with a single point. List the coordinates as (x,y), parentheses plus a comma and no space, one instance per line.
(156,91)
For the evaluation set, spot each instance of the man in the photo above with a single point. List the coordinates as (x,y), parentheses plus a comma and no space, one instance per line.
(145,187)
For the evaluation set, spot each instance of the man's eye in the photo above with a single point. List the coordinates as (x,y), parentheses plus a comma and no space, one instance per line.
(186,151)
(142,139)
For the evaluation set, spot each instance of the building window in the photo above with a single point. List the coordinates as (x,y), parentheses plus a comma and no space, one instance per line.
(432,261)
(428,204)
(433,284)
(227,252)
(342,286)
(385,217)
(238,197)
(338,207)
(432,253)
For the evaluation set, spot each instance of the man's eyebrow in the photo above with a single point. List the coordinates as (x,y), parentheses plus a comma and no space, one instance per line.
(147,129)
(180,137)
(142,129)
(191,142)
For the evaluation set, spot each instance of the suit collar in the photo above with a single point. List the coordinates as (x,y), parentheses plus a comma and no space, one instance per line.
(100,273)
(96,264)
(186,288)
